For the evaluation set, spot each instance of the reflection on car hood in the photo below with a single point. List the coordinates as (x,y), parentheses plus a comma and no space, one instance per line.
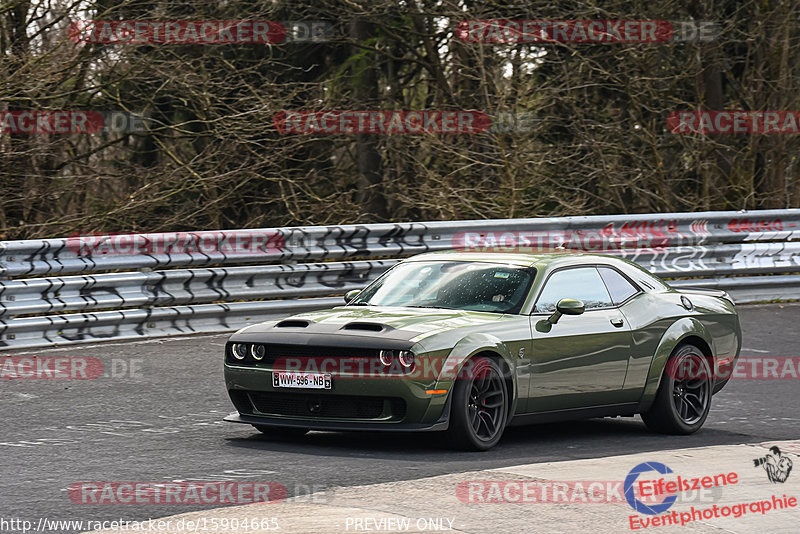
(419,320)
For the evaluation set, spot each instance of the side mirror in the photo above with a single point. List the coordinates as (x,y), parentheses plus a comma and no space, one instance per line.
(564,307)
(570,307)
(350,295)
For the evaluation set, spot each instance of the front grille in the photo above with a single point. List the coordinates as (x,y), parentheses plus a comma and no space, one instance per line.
(330,406)
(277,352)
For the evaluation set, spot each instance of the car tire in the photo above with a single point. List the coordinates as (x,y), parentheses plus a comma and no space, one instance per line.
(479,406)
(281,432)
(683,398)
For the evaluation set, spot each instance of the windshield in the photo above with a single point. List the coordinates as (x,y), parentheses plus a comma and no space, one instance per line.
(456,285)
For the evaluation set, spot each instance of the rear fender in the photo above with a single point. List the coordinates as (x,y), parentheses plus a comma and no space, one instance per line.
(675,334)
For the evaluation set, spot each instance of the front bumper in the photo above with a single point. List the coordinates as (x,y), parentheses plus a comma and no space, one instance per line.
(352,403)
(336,425)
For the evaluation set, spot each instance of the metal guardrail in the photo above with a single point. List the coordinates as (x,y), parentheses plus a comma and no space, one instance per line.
(184,286)
(729,247)
(89,253)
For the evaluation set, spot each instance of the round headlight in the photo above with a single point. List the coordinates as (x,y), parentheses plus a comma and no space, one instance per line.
(239,351)
(258,352)
(406,358)
(386,357)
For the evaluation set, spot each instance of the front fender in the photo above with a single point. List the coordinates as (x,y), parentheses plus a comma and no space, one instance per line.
(468,347)
(675,334)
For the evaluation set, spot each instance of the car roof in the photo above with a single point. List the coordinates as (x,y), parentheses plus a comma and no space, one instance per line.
(523,259)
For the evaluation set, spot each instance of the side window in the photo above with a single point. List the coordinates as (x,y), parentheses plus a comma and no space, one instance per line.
(619,286)
(583,283)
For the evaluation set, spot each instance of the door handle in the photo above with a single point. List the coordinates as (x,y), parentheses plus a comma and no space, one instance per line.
(616,322)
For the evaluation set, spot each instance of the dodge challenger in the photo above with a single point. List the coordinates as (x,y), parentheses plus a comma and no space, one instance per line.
(470,343)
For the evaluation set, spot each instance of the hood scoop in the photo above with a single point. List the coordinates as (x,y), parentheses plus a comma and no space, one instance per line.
(366,327)
(292,323)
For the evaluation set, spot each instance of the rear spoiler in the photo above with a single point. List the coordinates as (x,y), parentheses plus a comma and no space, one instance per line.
(708,292)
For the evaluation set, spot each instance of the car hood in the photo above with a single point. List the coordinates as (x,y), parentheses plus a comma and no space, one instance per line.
(360,323)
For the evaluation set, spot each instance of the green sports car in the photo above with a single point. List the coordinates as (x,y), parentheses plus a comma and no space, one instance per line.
(469,343)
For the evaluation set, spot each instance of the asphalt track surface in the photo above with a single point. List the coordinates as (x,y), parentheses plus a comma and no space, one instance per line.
(164,424)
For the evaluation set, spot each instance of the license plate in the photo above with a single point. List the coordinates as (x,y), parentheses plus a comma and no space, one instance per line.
(301,380)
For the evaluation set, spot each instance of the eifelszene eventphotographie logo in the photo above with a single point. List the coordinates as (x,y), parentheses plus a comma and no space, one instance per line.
(630,484)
